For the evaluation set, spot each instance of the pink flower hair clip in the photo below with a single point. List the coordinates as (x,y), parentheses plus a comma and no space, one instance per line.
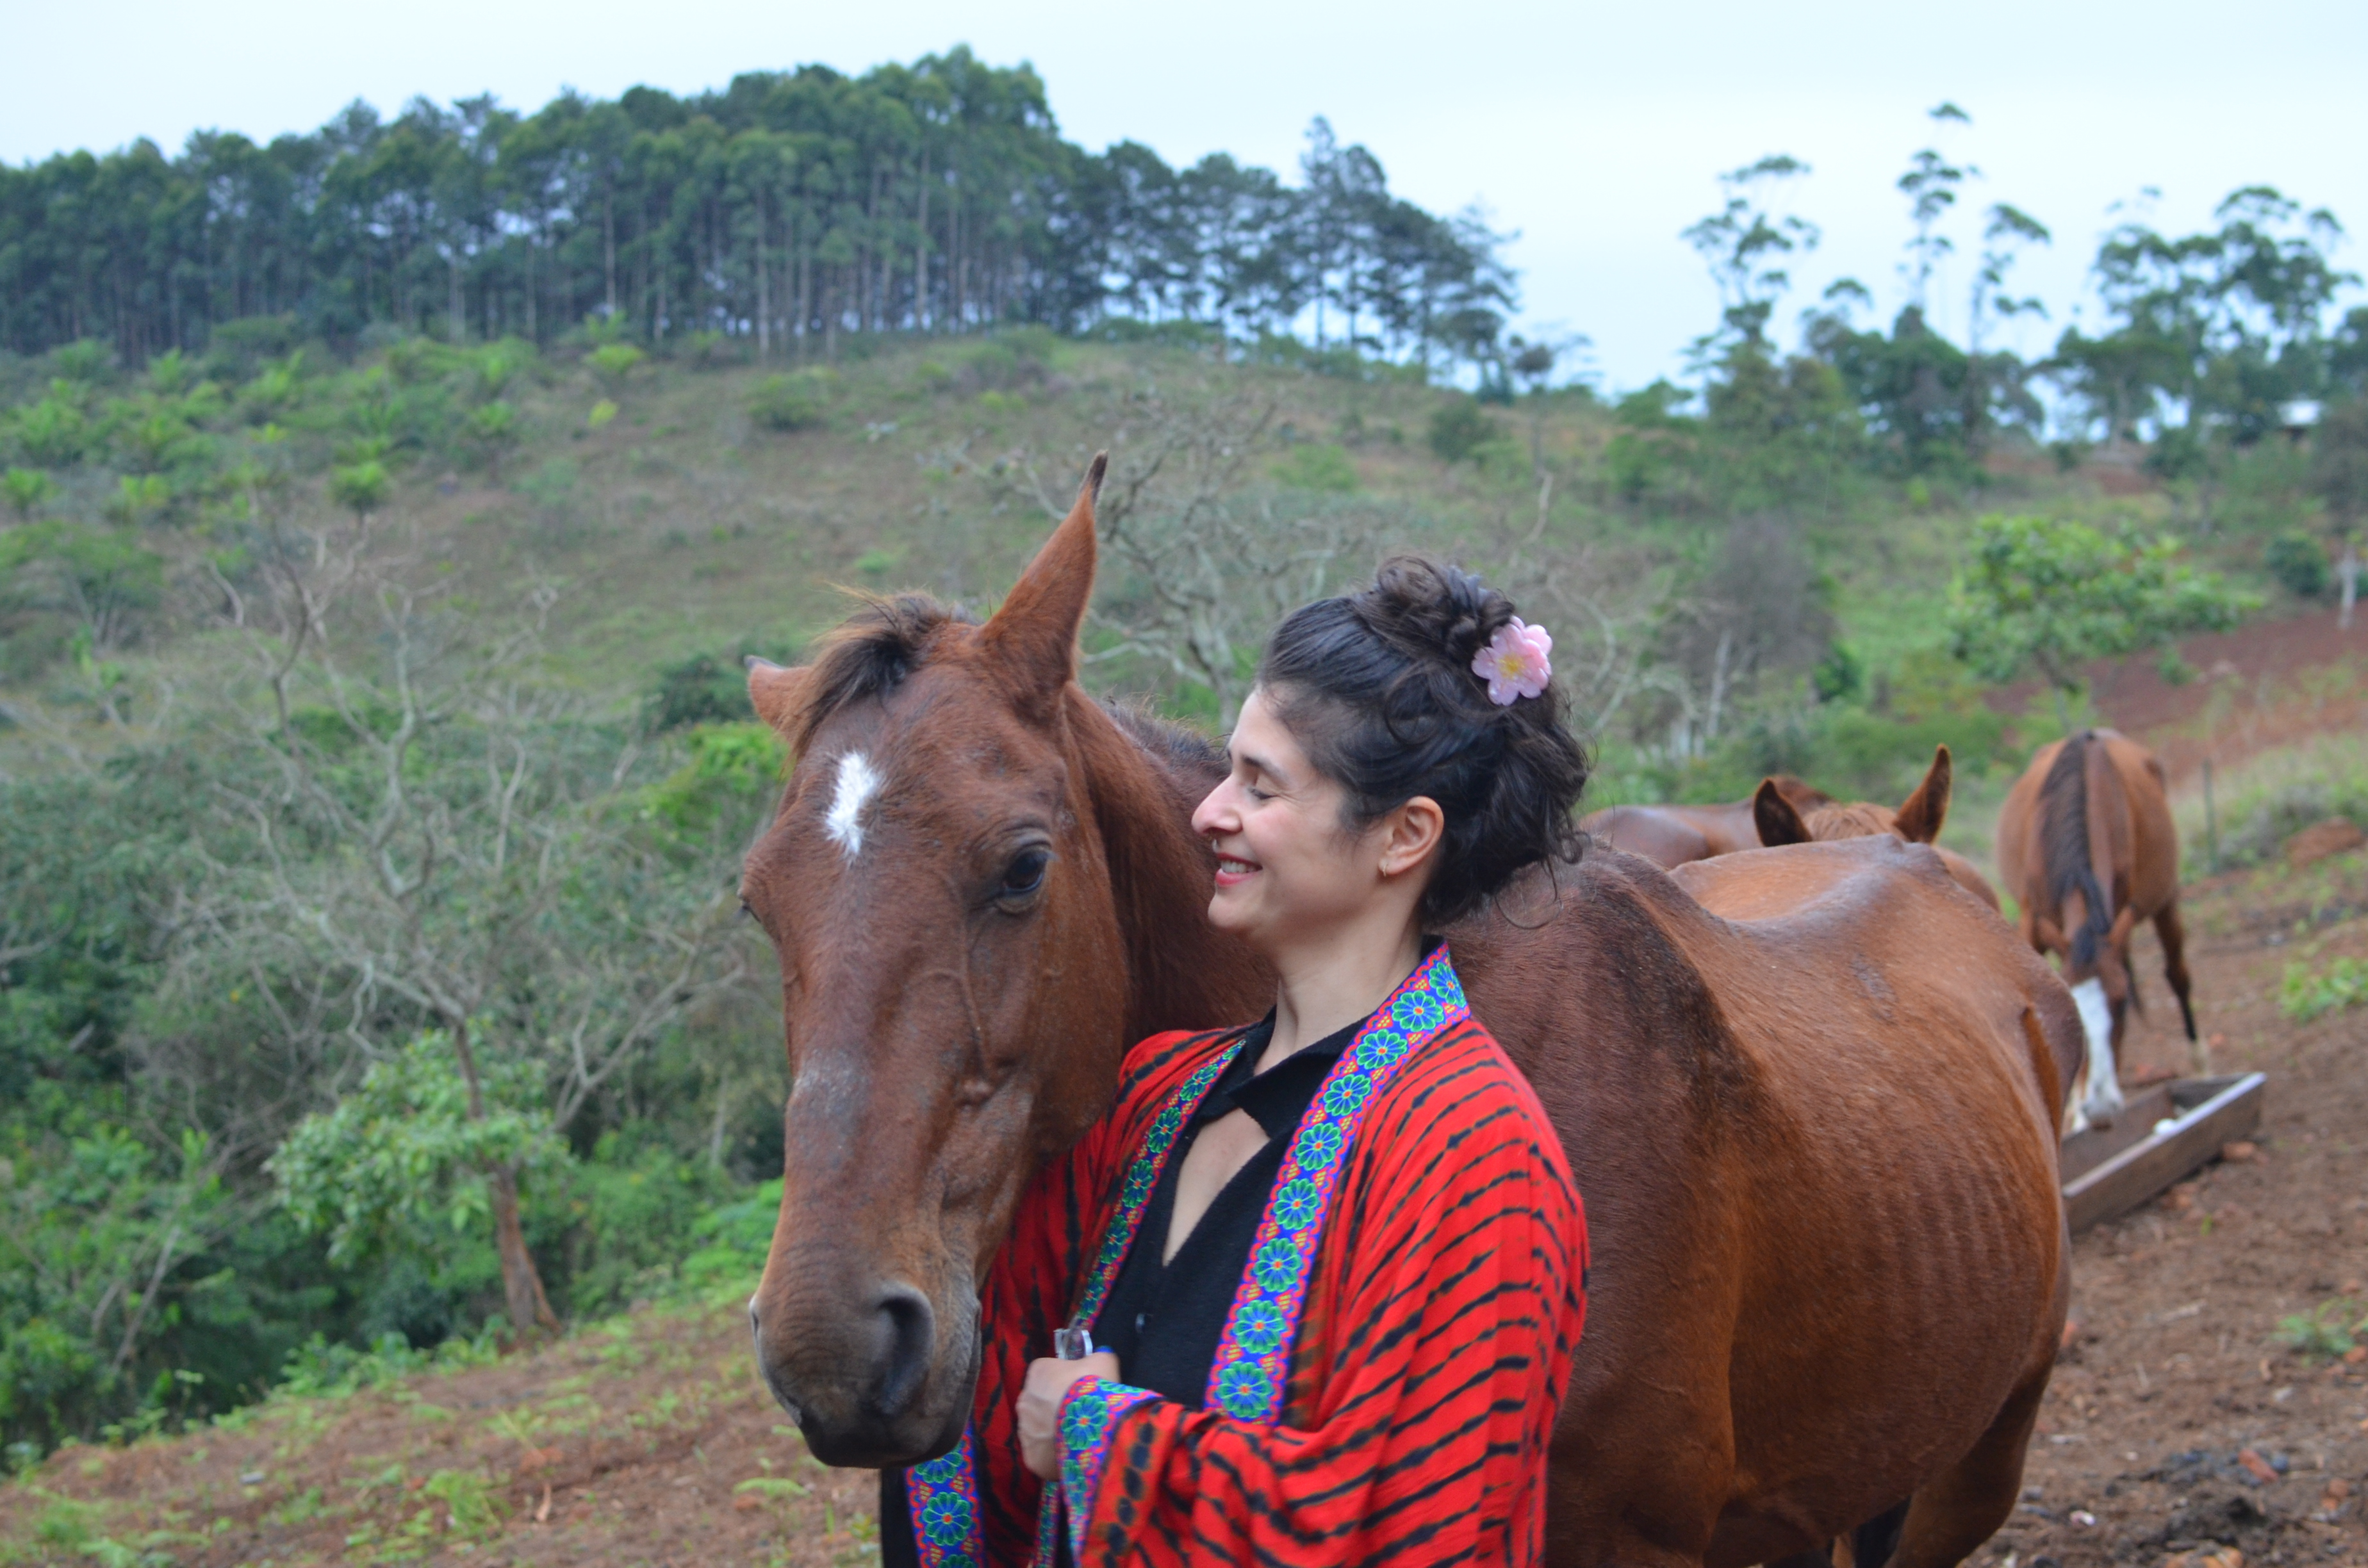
(1514,664)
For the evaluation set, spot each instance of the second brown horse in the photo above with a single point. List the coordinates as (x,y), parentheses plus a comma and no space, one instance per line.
(2086,845)
(1806,1093)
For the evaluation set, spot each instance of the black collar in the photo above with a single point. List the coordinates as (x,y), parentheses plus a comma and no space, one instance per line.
(1277,1098)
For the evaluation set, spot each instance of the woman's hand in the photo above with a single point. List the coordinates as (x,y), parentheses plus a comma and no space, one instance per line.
(1048,1384)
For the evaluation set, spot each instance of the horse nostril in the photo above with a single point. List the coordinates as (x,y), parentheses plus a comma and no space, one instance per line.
(910,1333)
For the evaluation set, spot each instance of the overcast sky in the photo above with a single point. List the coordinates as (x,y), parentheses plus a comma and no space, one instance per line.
(1595,130)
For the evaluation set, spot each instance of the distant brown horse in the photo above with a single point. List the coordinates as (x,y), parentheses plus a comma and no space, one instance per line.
(982,885)
(1677,835)
(1781,820)
(2086,845)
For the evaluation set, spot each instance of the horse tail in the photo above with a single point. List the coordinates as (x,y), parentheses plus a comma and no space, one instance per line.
(2073,827)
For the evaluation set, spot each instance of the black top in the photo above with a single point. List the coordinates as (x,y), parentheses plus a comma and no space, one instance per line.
(1164,1317)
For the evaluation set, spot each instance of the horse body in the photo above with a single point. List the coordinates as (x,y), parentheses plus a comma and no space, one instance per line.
(1804,1309)
(1805,1094)
(2086,845)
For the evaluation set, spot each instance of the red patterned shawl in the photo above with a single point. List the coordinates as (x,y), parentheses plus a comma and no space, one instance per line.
(1429,1357)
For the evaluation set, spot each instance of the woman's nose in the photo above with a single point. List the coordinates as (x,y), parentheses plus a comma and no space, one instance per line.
(1209,816)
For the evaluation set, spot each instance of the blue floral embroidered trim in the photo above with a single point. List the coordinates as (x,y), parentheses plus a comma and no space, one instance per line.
(943,1498)
(1088,1418)
(949,1483)
(1253,1360)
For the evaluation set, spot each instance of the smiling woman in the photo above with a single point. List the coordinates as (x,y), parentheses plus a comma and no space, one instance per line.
(1323,1271)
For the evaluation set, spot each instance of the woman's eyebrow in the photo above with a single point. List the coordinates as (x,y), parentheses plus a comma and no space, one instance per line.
(1258,764)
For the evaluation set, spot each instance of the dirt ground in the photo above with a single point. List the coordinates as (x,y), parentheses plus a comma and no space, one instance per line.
(2179,1425)
(2176,1372)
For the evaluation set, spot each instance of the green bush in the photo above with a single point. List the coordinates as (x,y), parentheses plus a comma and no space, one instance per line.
(2299,563)
(794,402)
(1460,429)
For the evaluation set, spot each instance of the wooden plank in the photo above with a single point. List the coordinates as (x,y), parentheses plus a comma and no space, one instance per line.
(2224,1110)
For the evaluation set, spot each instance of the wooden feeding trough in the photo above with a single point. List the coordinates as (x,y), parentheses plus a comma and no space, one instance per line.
(2168,1131)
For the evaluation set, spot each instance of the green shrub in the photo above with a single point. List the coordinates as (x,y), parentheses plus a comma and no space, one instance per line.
(789,403)
(1460,429)
(2299,563)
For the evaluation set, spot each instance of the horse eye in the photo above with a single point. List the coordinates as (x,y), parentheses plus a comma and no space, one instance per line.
(1024,876)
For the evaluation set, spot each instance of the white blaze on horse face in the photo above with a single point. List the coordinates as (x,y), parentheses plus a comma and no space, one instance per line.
(857,782)
(2102,1102)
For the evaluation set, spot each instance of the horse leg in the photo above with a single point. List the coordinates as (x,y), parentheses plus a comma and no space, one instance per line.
(2174,969)
(1958,1509)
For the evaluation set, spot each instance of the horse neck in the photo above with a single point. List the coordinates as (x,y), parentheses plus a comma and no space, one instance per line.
(1182,972)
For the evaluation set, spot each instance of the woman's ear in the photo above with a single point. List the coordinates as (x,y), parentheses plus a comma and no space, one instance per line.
(1410,834)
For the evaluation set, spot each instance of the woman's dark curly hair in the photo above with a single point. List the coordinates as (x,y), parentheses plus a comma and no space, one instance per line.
(1378,687)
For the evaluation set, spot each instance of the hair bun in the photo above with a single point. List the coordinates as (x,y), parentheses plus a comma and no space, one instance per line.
(1430,609)
(1380,688)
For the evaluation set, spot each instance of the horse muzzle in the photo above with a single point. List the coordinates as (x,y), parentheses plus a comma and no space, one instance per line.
(876,1384)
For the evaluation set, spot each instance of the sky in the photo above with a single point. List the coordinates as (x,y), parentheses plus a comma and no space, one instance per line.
(1595,132)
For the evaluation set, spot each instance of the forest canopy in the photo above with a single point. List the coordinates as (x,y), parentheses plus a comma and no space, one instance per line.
(936,197)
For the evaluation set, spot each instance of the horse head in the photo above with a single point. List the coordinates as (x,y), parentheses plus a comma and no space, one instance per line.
(1782,819)
(951,967)
(982,886)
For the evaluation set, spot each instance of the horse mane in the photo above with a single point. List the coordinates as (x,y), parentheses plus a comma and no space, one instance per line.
(871,653)
(2064,844)
(1179,746)
(1858,819)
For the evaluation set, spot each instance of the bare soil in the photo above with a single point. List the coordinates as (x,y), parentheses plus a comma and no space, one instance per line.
(2175,1371)
(650,1442)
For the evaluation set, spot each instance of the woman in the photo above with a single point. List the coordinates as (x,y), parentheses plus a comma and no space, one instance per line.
(1331,1262)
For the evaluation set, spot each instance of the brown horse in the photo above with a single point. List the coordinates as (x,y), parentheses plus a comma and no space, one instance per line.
(1781,820)
(2086,845)
(982,885)
(1676,835)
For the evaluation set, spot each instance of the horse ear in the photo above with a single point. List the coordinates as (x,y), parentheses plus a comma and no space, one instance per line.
(1921,817)
(1778,822)
(1805,797)
(778,694)
(1035,635)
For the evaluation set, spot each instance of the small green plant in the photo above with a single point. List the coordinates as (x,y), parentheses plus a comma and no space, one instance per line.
(361,488)
(2327,1332)
(473,1508)
(27,489)
(787,403)
(1459,430)
(2305,995)
(496,429)
(612,362)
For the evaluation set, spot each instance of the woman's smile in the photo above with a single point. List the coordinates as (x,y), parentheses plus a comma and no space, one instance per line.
(1233,871)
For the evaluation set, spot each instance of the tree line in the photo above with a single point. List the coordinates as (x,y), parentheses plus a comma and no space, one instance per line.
(788,210)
